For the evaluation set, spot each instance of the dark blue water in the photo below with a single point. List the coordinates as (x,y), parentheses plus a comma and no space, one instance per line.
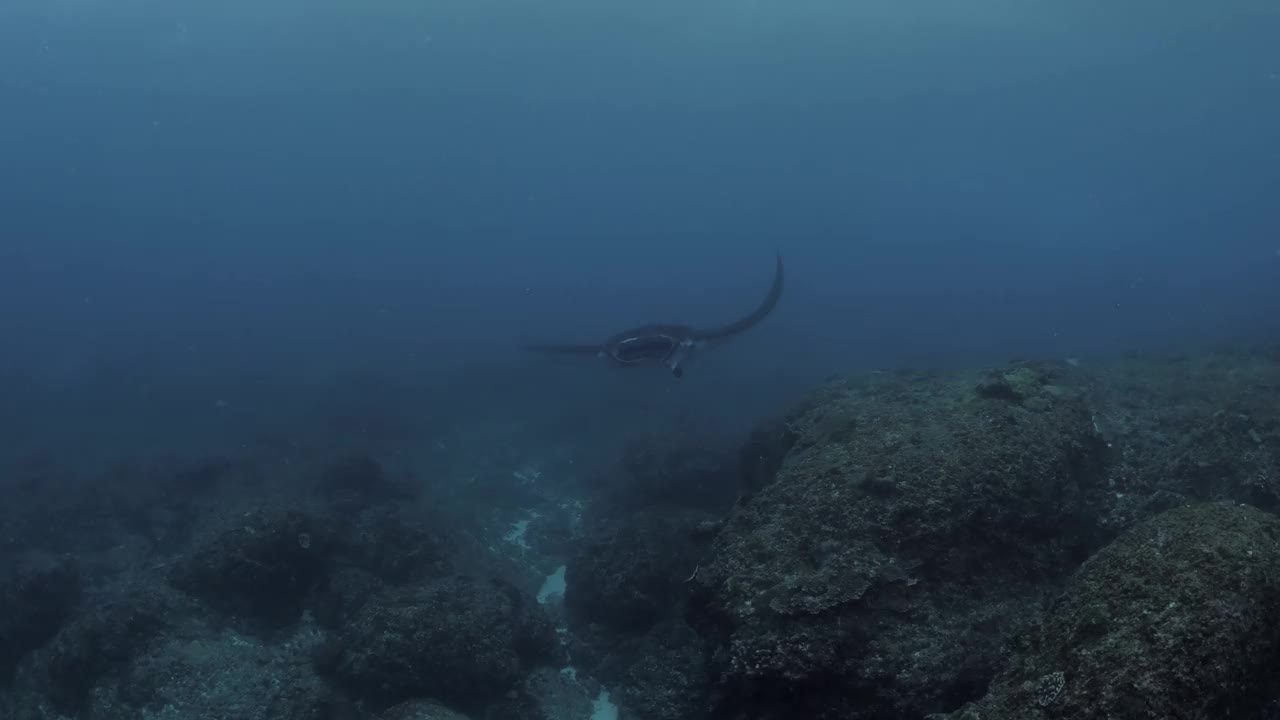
(318,188)
(271,445)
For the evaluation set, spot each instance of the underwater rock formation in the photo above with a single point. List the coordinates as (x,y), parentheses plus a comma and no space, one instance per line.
(100,641)
(268,567)
(761,455)
(1013,542)
(1199,427)
(626,585)
(913,519)
(344,593)
(420,710)
(1176,619)
(629,572)
(192,672)
(458,640)
(37,597)
(262,569)
(661,675)
(394,548)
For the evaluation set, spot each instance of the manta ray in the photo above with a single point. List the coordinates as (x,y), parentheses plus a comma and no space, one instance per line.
(668,345)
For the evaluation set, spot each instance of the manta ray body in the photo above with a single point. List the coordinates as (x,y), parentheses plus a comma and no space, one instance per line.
(667,345)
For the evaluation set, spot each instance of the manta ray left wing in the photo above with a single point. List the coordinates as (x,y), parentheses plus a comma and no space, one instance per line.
(563,348)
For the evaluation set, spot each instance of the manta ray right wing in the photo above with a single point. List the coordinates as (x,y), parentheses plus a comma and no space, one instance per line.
(746,323)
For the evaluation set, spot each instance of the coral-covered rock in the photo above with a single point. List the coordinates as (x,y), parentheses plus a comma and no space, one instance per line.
(395,548)
(630,572)
(1202,427)
(262,568)
(661,675)
(100,641)
(420,710)
(1176,619)
(344,593)
(762,454)
(459,639)
(913,518)
(221,675)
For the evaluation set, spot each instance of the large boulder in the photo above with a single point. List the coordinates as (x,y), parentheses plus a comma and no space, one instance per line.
(396,547)
(197,674)
(911,521)
(261,568)
(1176,619)
(103,640)
(1202,427)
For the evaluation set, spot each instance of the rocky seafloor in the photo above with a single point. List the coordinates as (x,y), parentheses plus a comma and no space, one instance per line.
(1044,539)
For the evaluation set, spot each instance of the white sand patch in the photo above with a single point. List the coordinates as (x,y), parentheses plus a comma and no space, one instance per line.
(552,586)
(603,708)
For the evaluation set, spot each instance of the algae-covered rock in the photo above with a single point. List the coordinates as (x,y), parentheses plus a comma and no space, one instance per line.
(421,710)
(1203,427)
(629,573)
(459,639)
(913,518)
(262,567)
(99,642)
(1176,619)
